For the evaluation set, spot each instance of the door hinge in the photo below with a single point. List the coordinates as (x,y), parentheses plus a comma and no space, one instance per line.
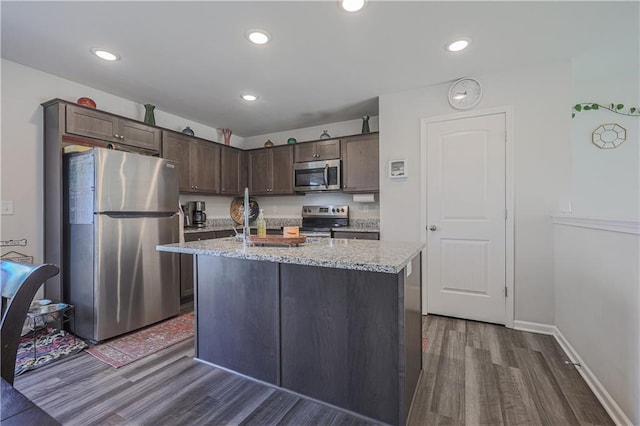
(505,291)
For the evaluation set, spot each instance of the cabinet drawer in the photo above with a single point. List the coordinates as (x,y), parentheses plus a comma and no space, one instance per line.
(356,235)
(198,236)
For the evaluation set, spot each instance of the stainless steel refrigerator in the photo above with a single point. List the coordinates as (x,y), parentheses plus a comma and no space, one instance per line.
(120,206)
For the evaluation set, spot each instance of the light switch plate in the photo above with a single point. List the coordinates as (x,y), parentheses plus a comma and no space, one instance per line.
(7,207)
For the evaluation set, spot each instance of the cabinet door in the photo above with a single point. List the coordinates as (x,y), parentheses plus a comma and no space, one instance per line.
(139,135)
(327,150)
(177,148)
(282,170)
(260,171)
(304,152)
(230,171)
(360,164)
(86,122)
(205,167)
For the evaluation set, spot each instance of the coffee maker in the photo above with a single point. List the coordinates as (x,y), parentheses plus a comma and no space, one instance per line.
(194,215)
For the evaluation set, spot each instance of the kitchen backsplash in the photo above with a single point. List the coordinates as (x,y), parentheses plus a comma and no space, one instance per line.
(278,222)
(289,207)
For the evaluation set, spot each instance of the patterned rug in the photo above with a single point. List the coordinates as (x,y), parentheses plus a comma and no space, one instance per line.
(124,350)
(51,345)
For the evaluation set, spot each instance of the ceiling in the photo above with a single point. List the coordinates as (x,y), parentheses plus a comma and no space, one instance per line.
(323,65)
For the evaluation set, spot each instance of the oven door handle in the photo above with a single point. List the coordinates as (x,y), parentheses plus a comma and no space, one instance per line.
(326,175)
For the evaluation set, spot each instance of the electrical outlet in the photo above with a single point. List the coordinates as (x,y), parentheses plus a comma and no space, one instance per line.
(7,207)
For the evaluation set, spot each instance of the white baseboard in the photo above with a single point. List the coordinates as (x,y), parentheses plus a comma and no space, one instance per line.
(612,408)
(535,327)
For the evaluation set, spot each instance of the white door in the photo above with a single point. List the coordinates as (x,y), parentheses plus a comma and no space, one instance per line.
(466,218)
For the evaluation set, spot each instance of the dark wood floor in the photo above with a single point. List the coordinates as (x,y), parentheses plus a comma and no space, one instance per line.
(477,373)
(474,373)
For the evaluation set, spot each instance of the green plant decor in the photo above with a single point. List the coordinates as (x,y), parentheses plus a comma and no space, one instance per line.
(616,108)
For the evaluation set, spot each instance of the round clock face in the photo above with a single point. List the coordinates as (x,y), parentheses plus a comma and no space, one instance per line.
(465,93)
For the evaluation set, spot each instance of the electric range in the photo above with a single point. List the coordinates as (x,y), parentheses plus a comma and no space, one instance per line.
(317,221)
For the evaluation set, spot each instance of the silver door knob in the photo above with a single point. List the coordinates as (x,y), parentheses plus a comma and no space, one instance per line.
(432,228)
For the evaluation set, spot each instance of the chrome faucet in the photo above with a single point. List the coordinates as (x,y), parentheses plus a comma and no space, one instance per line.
(247,208)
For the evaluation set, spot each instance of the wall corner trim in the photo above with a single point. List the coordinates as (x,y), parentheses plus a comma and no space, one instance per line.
(613,225)
(611,407)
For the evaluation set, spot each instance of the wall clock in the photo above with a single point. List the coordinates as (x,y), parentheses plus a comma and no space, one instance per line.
(465,93)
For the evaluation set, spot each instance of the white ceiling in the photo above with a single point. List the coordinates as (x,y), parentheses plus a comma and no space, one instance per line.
(323,65)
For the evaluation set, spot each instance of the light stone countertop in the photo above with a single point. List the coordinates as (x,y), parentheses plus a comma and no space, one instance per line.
(363,255)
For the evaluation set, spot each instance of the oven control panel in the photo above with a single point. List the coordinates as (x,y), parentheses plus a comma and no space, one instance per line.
(325,211)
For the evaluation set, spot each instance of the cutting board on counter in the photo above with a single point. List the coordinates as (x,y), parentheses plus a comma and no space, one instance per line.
(276,240)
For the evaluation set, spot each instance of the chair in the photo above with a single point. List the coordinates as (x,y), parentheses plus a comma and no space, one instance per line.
(19,283)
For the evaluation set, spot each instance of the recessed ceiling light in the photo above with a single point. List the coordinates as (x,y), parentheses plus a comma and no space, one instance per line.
(258,36)
(105,54)
(249,97)
(458,45)
(352,5)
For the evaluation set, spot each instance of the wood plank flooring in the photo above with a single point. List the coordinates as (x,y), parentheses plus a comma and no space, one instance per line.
(484,374)
(474,373)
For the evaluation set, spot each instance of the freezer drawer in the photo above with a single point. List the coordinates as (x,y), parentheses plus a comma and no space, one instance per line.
(134,284)
(118,281)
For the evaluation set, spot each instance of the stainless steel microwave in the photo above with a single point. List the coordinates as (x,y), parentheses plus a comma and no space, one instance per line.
(317,176)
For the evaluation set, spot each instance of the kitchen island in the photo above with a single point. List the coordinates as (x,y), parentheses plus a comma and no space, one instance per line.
(335,320)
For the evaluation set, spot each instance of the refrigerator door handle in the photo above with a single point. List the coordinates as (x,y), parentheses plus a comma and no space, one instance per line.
(137,215)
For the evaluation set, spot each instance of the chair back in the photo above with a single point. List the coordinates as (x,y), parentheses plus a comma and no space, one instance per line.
(19,283)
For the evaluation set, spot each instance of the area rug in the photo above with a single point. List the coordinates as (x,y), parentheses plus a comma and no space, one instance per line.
(139,344)
(51,345)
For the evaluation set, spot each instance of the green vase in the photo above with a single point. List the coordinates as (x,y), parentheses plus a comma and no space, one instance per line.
(148,114)
(365,124)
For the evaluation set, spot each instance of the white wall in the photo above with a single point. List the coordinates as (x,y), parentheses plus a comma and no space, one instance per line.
(596,274)
(596,271)
(606,182)
(23,90)
(541,101)
(341,128)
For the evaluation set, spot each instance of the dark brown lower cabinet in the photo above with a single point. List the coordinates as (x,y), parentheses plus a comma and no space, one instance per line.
(349,338)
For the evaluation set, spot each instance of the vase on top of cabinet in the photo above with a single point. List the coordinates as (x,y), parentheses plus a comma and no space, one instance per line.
(149,118)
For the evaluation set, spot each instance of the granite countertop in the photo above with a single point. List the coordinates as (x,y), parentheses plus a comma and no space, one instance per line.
(363,255)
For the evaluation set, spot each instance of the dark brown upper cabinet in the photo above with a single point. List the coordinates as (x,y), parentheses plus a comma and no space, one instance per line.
(232,171)
(88,122)
(271,171)
(360,163)
(199,162)
(316,151)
